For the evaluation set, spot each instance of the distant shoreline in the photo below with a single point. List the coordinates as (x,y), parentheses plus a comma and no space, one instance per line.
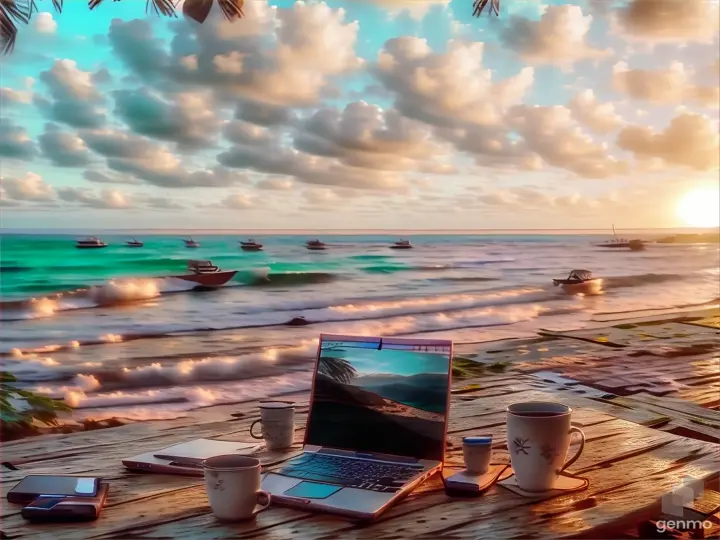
(354,232)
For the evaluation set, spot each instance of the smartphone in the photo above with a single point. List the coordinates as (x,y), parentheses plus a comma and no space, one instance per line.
(34,485)
(72,508)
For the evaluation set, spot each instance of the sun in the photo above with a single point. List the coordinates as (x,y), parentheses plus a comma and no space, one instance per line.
(700,207)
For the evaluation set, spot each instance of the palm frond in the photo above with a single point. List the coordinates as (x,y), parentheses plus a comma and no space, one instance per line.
(338,369)
(232,9)
(480,5)
(11,12)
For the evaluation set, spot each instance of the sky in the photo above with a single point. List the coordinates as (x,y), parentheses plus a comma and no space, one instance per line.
(375,114)
(393,361)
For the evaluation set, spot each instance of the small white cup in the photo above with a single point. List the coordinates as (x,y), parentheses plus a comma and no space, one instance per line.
(477,452)
(538,435)
(277,420)
(233,487)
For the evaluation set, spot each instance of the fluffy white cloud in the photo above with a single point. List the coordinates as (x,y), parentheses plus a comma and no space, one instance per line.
(62,148)
(559,37)
(14,141)
(691,140)
(189,118)
(446,89)
(44,23)
(30,187)
(75,99)
(668,20)
(551,133)
(599,117)
(277,57)
(238,201)
(111,199)
(363,135)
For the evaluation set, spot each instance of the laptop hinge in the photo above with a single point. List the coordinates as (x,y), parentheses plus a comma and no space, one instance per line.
(370,456)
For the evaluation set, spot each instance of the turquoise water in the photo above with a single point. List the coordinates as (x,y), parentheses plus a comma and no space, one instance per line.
(111,332)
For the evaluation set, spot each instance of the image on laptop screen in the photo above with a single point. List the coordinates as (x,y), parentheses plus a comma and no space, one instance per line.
(381,395)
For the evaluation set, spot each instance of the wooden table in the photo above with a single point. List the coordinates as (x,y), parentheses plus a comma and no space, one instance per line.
(630,467)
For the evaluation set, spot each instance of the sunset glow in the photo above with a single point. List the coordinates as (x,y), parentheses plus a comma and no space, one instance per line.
(700,207)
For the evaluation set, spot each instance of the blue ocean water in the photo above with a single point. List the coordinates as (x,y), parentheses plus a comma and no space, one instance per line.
(110,331)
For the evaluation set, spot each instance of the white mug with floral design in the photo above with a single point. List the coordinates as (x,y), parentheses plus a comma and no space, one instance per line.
(233,487)
(277,420)
(538,435)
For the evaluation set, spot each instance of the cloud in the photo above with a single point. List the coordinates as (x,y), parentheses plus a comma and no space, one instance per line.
(75,100)
(12,96)
(273,56)
(111,199)
(559,37)
(62,148)
(189,119)
(364,135)
(263,114)
(30,187)
(551,133)
(599,117)
(14,141)
(309,169)
(108,177)
(446,89)
(276,184)
(668,20)
(248,134)
(691,140)
(663,86)
(238,201)
(44,23)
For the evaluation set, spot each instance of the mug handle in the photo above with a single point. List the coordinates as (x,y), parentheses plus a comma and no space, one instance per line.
(263,506)
(579,451)
(260,436)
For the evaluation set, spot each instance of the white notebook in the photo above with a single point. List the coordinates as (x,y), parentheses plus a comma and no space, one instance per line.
(194,452)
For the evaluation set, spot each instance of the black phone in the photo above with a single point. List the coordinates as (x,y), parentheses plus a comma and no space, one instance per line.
(72,508)
(34,485)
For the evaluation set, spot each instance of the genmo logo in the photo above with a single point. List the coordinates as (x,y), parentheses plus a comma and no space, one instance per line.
(672,504)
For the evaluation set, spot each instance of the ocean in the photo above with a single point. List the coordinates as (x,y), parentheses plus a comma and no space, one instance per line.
(122,340)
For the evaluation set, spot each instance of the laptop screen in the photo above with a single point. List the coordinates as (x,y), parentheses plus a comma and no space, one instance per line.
(381,395)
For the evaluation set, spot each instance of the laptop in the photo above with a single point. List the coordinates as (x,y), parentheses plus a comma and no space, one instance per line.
(186,458)
(376,425)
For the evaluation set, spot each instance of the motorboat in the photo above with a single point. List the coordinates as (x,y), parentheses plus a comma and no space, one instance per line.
(190,243)
(579,282)
(90,243)
(315,245)
(206,274)
(251,245)
(401,244)
(622,243)
(134,243)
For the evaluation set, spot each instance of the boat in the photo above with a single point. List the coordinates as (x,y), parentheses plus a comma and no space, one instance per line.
(402,244)
(315,245)
(206,275)
(190,243)
(90,243)
(251,245)
(622,243)
(579,282)
(134,243)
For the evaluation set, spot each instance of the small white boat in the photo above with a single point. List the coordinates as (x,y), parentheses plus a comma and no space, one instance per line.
(134,243)
(315,245)
(579,282)
(90,243)
(401,244)
(190,243)
(251,245)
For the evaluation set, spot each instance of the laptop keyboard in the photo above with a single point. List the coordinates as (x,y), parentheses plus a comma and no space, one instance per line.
(349,472)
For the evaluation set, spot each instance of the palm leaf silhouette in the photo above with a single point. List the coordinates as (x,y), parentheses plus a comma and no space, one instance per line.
(13,12)
(338,369)
(492,5)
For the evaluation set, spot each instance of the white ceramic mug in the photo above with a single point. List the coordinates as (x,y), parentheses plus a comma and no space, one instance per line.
(538,435)
(277,421)
(233,487)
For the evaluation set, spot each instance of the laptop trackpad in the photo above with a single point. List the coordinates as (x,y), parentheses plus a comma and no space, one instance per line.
(312,490)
